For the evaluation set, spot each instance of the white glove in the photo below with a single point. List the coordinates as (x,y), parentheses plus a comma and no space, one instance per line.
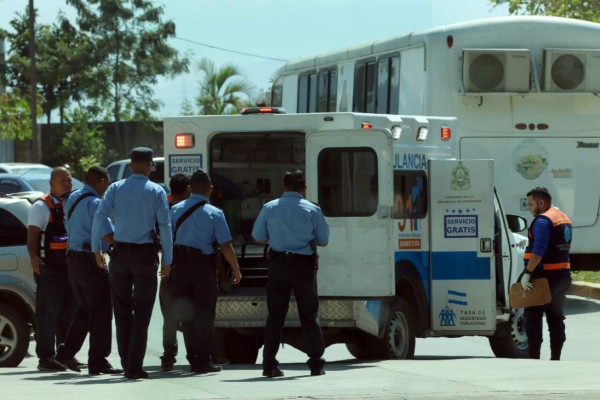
(525,280)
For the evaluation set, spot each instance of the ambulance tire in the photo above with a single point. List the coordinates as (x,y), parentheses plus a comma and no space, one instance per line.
(510,340)
(239,348)
(398,341)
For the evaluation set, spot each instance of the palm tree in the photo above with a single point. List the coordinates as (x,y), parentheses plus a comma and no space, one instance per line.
(222,89)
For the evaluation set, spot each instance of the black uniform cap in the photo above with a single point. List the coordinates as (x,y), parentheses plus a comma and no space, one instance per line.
(142,154)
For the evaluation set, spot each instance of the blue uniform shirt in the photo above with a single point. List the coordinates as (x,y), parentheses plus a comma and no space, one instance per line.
(290,223)
(138,204)
(205,226)
(79,226)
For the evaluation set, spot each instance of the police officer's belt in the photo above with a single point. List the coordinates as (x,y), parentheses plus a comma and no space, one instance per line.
(74,253)
(288,253)
(137,246)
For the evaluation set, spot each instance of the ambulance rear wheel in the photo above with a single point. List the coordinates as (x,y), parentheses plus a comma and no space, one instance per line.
(398,341)
(510,340)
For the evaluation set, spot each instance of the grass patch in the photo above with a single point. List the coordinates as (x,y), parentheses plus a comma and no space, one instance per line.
(586,276)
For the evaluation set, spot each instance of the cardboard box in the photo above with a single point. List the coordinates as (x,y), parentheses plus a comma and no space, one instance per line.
(537,296)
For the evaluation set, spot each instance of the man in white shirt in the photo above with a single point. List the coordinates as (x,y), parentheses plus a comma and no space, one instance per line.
(47,246)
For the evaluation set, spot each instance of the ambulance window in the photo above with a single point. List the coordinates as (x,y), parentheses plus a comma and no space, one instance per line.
(410,195)
(348,181)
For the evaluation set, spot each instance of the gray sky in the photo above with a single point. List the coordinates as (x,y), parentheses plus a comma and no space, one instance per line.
(281,29)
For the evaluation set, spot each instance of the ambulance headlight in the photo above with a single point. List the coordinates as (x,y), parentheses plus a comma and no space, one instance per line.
(422,133)
(396,132)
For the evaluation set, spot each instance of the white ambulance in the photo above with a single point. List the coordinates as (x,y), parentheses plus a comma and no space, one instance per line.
(419,245)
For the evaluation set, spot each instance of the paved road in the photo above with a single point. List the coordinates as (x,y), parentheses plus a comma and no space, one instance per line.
(462,368)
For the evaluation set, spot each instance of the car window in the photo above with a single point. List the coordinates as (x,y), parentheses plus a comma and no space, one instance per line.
(126,172)
(158,175)
(9,186)
(41,185)
(113,172)
(12,231)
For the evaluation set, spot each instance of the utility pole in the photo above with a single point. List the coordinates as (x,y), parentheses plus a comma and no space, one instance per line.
(33,83)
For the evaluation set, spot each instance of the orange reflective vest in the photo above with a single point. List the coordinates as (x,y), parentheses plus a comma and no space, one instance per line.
(55,236)
(559,240)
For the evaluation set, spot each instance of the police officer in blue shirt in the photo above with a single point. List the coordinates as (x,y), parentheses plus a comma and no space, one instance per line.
(196,226)
(137,204)
(89,282)
(293,227)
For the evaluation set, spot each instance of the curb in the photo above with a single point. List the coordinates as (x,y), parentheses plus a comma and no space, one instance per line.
(585,289)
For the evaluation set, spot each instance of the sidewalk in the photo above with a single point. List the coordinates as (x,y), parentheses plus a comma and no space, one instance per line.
(585,289)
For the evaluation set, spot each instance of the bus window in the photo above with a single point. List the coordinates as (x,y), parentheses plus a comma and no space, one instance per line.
(327,91)
(388,85)
(410,195)
(348,181)
(364,87)
(277,95)
(307,93)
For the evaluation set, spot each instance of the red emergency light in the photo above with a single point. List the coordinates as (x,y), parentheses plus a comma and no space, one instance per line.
(446,133)
(366,125)
(185,141)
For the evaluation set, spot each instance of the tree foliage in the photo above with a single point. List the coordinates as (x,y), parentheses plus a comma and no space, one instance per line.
(15,116)
(222,90)
(83,144)
(130,52)
(61,54)
(588,10)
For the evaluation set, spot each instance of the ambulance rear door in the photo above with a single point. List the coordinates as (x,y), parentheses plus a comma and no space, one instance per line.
(349,173)
(461,204)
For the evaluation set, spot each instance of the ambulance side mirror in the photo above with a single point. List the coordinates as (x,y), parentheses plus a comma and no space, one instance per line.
(516,223)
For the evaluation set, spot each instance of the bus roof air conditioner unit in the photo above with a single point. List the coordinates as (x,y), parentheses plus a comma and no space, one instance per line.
(571,70)
(496,70)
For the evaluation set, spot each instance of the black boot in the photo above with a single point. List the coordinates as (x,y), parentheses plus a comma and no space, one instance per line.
(555,355)
(534,355)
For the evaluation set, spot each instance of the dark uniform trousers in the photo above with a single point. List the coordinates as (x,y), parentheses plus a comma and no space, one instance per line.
(195,283)
(134,281)
(559,281)
(91,287)
(55,310)
(283,276)
(166,297)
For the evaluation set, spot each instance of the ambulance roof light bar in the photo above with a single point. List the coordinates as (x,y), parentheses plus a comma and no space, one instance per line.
(262,110)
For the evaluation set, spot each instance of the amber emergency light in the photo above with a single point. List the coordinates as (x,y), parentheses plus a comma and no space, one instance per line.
(185,140)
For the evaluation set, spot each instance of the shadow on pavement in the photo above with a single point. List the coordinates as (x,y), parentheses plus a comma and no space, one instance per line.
(578,305)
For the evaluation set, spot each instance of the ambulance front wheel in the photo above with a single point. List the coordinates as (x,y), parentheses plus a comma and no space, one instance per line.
(510,340)
(398,341)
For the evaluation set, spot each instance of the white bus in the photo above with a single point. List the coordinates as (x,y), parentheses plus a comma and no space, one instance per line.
(525,91)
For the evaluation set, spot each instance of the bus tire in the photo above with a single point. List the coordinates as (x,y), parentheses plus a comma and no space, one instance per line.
(510,340)
(14,337)
(239,348)
(398,341)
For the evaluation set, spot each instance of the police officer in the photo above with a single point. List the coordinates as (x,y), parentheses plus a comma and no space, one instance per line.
(197,225)
(547,256)
(180,190)
(292,226)
(89,282)
(137,204)
(47,246)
